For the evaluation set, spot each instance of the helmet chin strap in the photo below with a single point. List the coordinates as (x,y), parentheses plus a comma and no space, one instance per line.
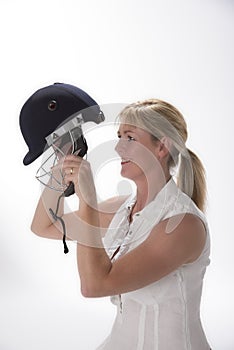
(60,219)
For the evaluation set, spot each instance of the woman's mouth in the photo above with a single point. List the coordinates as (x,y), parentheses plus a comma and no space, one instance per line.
(124,161)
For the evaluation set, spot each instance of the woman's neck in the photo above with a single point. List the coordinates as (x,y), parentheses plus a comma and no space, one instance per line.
(147,190)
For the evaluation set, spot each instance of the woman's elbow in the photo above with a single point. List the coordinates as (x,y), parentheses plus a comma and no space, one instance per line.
(38,230)
(87,292)
(35,229)
(91,291)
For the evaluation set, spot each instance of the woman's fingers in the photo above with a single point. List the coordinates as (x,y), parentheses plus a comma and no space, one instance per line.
(77,170)
(74,167)
(68,162)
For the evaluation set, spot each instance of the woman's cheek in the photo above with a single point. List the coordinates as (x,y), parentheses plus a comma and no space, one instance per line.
(144,158)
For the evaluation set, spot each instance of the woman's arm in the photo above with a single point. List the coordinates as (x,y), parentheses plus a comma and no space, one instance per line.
(157,256)
(43,224)
(160,254)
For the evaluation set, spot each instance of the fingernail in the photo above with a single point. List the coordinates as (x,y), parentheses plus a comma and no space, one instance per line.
(77,152)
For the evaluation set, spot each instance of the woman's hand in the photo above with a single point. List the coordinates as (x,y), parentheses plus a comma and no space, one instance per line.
(78,171)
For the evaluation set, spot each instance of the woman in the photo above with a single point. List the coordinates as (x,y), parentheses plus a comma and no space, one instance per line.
(155,249)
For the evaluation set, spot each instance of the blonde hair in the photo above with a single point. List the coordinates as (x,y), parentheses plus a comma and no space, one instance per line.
(160,119)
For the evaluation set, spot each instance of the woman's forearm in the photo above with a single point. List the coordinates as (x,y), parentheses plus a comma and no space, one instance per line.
(43,219)
(94,264)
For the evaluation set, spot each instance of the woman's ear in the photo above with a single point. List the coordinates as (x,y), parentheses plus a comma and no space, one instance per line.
(164,147)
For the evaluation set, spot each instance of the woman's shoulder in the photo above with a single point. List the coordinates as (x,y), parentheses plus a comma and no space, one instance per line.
(108,208)
(112,204)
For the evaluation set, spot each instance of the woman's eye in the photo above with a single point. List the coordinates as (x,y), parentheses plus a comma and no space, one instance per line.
(129,138)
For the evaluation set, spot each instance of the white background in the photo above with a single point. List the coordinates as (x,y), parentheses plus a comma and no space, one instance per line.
(118,51)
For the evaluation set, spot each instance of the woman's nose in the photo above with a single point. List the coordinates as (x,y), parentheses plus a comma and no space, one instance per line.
(120,148)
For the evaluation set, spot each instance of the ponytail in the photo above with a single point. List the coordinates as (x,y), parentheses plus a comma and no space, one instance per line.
(192,176)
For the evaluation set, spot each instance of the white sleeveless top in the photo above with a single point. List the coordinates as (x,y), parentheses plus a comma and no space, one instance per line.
(164,315)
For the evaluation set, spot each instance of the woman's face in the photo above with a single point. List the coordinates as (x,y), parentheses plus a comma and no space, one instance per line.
(138,152)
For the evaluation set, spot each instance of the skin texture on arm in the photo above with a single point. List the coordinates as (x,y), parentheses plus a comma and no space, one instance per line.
(157,256)
(44,226)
